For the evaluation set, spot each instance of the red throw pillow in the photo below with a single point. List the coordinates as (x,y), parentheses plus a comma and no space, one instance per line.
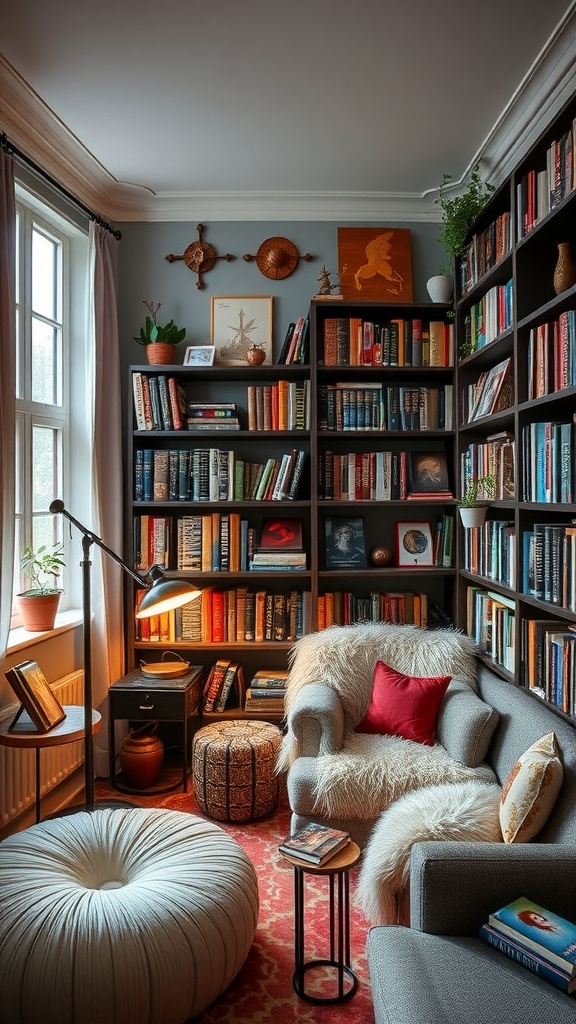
(404,705)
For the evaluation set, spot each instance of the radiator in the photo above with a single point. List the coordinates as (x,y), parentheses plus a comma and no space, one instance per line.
(18,767)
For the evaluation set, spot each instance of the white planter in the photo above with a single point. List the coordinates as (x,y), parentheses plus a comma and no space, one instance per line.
(440,288)
(472,517)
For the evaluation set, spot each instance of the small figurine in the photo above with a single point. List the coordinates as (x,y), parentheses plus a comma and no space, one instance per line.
(326,288)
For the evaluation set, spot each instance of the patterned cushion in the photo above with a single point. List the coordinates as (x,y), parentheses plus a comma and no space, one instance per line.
(530,790)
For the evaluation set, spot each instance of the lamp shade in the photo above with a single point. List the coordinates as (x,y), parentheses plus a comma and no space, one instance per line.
(165,594)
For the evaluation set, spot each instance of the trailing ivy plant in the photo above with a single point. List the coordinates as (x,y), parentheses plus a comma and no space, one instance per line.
(460,212)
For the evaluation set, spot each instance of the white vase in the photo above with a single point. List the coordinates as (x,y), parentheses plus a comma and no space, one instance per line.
(440,288)
(472,517)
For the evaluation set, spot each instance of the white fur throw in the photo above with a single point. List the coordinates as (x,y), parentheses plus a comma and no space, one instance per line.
(463,811)
(370,772)
(344,658)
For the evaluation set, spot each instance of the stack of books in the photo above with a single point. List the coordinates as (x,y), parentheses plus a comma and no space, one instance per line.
(266,692)
(538,939)
(224,686)
(213,416)
(280,548)
(314,843)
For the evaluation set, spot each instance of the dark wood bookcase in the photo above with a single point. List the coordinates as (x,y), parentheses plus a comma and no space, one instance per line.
(516,591)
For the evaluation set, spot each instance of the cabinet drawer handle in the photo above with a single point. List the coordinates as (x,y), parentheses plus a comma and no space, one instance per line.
(146,707)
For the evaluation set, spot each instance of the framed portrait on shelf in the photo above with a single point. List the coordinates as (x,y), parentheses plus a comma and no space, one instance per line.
(414,544)
(429,475)
(345,544)
(199,355)
(237,322)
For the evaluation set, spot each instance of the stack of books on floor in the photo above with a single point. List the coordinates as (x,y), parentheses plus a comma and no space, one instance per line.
(314,843)
(266,692)
(538,939)
(213,416)
(280,548)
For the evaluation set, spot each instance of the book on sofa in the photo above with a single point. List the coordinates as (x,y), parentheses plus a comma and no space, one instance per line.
(516,950)
(314,843)
(538,931)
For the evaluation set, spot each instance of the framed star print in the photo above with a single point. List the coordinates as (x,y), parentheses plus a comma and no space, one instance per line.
(237,322)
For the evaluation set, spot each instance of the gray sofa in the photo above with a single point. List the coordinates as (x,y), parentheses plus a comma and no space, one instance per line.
(438,971)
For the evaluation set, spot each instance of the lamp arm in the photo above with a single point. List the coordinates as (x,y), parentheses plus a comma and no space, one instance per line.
(57,507)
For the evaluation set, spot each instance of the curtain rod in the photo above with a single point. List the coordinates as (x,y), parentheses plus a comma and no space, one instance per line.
(8,147)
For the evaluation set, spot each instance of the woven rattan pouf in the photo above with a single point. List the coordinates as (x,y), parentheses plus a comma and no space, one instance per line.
(234,769)
(139,916)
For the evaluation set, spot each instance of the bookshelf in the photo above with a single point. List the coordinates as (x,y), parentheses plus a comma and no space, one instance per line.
(516,575)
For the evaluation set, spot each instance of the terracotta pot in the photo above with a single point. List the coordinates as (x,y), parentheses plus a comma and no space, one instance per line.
(38,611)
(142,755)
(159,353)
(565,272)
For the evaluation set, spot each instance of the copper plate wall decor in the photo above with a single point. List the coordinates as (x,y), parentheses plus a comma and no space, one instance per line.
(277,258)
(200,257)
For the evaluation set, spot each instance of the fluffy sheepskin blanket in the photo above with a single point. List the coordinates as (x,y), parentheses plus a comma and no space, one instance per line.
(370,772)
(466,811)
(344,658)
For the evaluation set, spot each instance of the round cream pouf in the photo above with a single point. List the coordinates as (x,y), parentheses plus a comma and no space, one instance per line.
(234,769)
(121,917)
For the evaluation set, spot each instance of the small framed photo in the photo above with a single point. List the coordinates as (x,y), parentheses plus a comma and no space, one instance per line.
(199,355)
(414,544)
(237,322)
(344,541)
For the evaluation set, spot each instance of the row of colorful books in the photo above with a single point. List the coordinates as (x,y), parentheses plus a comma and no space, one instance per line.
(537,938)
(495,457)
(485,251)
(353,406)
(490,551)
(383,476)
(345,608)
(489,317)
(552,356)
(281,406)
(549,658)
(549,451)
(266,693)
(549,563)
(490,619)
(159,402)
(351,341)
(540,190)
(295,348)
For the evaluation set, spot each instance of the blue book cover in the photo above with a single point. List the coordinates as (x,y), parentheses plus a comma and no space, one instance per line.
(515,950)
(540,929)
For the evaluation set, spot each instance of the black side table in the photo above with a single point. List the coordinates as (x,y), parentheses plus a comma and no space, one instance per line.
(337,869)
(140,698)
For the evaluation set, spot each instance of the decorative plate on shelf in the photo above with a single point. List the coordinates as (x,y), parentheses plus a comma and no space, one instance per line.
(164,669)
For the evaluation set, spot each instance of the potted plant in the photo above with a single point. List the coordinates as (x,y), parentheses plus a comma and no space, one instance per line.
(38,605)
(472,504)
(160,341)
(459,214)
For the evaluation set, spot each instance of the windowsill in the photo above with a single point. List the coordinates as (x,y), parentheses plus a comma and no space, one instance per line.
(20,639)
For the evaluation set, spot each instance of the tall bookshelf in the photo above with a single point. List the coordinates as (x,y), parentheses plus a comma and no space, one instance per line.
(516,579)
(331,595)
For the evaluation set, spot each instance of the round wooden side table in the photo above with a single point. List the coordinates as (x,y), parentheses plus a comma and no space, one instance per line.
(68,730)
(337,870)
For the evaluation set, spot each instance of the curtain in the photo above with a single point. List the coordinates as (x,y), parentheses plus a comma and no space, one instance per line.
(7,391)
(108,659)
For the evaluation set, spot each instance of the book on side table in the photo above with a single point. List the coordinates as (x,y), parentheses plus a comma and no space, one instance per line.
(314,843)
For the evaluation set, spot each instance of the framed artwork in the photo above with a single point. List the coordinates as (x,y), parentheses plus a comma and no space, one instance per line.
(36,695)
(429,475)
(414,544)
(237,322)
(199,355)
(489,390)
(375,264)
(345,545)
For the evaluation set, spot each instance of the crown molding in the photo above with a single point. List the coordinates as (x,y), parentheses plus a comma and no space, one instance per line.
(43,139)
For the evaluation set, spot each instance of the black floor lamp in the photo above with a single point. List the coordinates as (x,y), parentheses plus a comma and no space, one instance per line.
(163,594)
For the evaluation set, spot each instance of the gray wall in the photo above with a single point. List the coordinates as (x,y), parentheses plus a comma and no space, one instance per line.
(144,273)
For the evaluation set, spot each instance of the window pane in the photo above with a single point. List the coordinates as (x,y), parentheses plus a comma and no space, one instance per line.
(45,460)
(44,268)
(44,531)
(44,363)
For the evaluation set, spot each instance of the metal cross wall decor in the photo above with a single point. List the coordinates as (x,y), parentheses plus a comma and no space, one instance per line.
(200,257)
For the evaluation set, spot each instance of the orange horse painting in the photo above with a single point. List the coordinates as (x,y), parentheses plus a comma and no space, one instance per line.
(378,254)
(375,263)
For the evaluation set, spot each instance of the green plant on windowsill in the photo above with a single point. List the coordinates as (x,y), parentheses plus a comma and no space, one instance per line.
(40,567)
(154,333)
(483,486)
(459,213)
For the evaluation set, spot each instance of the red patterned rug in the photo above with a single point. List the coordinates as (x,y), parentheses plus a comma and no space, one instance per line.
(262,992)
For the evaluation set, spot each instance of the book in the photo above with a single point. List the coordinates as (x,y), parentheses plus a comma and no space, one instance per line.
(542,931)
(214,684)
(281,535)
(36,695)
(523,955)
(314,843)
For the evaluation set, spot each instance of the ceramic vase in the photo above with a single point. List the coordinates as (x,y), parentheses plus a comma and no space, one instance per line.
(565,271)
(142,755)
(440,288)
(473,517)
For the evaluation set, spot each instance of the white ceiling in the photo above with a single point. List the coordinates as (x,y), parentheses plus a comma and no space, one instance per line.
(179,105)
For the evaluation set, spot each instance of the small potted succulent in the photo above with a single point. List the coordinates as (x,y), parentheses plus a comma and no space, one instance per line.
(39,604)
(472,505)
(160,341)
(458,216)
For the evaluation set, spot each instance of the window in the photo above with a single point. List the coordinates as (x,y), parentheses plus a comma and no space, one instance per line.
(51,260)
